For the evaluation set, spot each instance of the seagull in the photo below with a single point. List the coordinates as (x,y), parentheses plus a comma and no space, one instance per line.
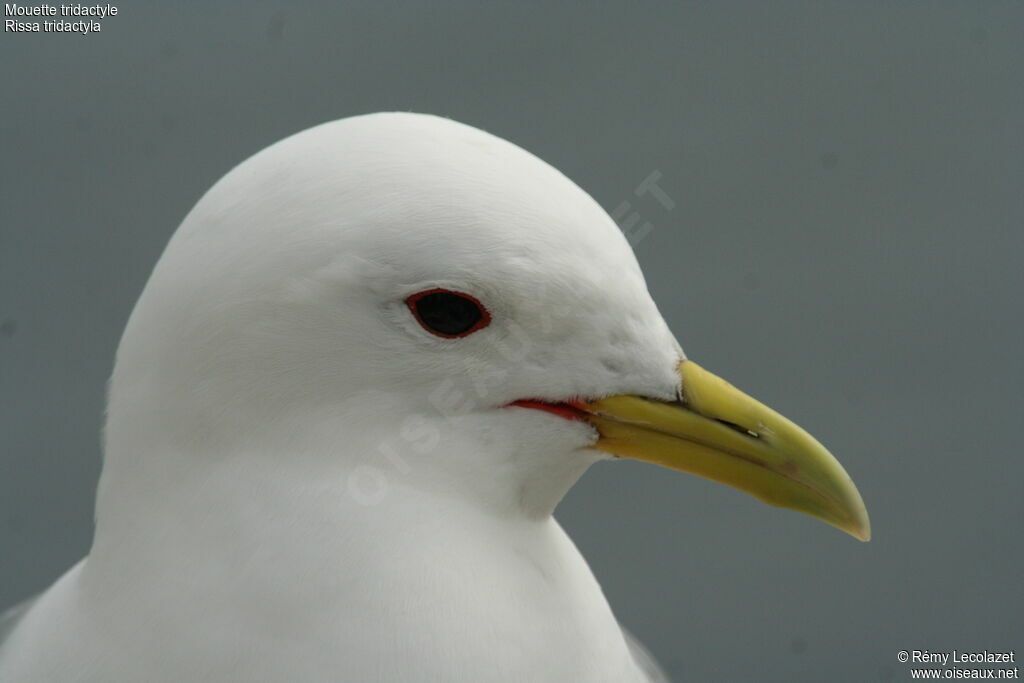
(367,367)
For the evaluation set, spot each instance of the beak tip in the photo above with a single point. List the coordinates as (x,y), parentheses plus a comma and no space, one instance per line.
(864,532)
(860,526)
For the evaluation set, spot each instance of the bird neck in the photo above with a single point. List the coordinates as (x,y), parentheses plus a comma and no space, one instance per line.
(311,498)
(256,553)
(249,542)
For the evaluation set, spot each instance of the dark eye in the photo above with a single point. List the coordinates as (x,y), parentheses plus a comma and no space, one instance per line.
(447,313)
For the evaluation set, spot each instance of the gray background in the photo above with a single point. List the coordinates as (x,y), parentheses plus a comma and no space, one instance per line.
(845,245)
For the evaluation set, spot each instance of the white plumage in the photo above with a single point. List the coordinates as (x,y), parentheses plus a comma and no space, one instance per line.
(302,484)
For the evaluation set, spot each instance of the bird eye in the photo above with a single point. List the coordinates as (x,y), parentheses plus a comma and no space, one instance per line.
(447,313)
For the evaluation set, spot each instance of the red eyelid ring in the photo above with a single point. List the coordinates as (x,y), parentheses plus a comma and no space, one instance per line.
(485,315)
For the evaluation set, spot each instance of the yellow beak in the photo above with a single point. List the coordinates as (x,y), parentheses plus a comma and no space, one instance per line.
(718,432)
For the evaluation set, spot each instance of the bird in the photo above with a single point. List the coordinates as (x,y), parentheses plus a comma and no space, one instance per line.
(369,364)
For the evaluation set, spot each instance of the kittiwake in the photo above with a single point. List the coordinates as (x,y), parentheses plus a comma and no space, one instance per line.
(365,370)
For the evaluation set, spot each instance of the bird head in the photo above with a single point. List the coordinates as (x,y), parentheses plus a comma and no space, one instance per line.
(403,301)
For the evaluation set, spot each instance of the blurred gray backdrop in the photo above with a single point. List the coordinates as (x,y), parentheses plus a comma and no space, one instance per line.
(845,245)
